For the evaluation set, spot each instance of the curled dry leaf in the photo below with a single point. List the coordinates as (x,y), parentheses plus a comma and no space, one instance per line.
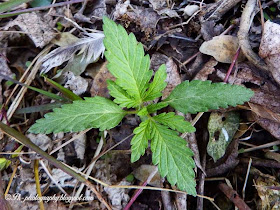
(39,29)
(270,48)
(99,84)
(222,48)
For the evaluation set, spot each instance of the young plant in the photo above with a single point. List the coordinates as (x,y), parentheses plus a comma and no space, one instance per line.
(132,90)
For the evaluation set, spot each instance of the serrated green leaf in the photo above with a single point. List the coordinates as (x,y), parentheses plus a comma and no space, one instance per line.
(175,122)
(221,127)
(157,85)
(126,60)
(139,142)
(200,96)
(121,97)
(154,107)
(4,163)
(173,157)
(143,112)
(96,112)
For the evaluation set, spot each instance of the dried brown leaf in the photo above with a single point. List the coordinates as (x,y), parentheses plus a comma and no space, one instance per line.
(222,48)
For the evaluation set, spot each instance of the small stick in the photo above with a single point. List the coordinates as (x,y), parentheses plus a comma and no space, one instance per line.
(232,65)
(37,181)
(246,179)
(233,196)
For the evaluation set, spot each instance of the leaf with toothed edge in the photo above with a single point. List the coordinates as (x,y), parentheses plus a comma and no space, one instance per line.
(96,112)
(200,96)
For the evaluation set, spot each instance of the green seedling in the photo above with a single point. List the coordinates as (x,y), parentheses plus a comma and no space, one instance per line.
(132,91)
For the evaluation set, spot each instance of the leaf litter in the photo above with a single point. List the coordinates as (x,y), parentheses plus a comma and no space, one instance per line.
(75,57)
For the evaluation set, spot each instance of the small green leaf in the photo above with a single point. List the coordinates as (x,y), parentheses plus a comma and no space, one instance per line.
(66,92)
(154,107)
(173,157)
(129,178)
(4,163)
(175,122)
(200,96)
(40,3)
(17,151)
(157,85)
(96,112)
(121,97)
(139,142)
(222,128)
(127,61)
(143,112)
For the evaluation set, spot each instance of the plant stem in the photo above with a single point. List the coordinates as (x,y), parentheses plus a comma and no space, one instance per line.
(11,4)
(37,181)
(9,14)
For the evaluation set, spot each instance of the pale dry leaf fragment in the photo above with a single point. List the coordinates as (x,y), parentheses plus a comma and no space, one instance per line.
(118,196)
(65,39)
(41,140)
(80,145)
(77,84)
(160,6)
(38,28)
(222,48)
(62,178)
(121,9)
(190,9)
(90,46)
(270,48)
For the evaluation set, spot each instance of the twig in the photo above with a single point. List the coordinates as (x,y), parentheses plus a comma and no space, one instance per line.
(103,153)
(138,192)
(261,163)
(232,65)
(262,16)
(69,141)
(243,37)
(11,178)
(233,196)
(246,179)
(37,181)
(189,59)
(263,146)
